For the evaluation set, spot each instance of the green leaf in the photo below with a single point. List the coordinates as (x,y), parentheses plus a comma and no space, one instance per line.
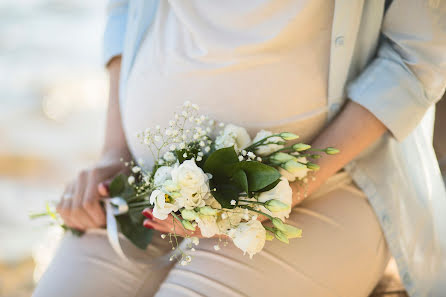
(225,192)
(136,233)
(270,186)
(129,194)
(259,175)
(120,187)
(117,185)
(135,214)
(240,178)
(219,162)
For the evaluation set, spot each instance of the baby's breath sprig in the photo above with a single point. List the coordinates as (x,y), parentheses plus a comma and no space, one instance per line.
(186,137)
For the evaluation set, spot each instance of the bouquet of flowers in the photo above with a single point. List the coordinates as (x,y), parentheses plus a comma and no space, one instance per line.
(213,177)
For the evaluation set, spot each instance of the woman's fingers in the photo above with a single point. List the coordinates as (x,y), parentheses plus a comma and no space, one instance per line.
(103,188)
(83,210)
(78,214)
(64,206)
(147,212)
(167,226)
(161,227)
(90,200)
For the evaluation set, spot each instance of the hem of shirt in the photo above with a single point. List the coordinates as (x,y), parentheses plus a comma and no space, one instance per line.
(361,179)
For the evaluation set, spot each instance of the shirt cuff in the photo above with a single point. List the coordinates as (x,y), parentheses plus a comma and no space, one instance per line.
(114,34)
(389,90)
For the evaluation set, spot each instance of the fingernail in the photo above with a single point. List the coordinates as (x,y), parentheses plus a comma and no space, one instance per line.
(147,224)
(147,213)
(103,189)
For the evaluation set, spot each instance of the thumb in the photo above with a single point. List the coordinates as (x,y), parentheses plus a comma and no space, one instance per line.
(104,188)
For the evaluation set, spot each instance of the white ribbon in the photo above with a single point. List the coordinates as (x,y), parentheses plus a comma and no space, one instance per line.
(118,206)
(115,206)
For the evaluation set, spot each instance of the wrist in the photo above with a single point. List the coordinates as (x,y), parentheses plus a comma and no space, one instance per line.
(115,154)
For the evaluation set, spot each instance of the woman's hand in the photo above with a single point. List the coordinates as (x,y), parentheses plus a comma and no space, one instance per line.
(79,206)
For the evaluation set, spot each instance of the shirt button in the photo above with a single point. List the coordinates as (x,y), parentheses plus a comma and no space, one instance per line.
(339,41)
(385,219)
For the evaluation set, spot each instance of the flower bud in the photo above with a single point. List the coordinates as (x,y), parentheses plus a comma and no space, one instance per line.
(312,166)
(269,236)
(288,136)
(279,158)
(188,214)
(187,225)
(298,147)
(208,211)
(276,205)
(331,151)
(292,232)
(293,166)
(281,236)
(278,223)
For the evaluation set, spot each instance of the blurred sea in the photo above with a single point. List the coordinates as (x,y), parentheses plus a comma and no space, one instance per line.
(52,98)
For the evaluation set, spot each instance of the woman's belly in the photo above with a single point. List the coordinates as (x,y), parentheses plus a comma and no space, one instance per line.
(258,98)
(278,85)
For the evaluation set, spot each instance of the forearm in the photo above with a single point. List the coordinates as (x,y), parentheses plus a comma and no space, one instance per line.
(115,144)
(352,131)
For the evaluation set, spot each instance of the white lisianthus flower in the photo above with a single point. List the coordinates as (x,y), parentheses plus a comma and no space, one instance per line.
(192,183)
(302,173)
(212,202)
(161,175)
(163,204)
(267,149)
(286,174)
(230,219)
(233,136)
(293,169)
(208,225)
(282,192)
(250,237)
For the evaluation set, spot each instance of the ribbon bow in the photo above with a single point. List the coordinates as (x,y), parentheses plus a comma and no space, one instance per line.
(113,207)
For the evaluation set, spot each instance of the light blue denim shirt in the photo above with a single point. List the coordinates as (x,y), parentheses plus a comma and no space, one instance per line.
(392,61)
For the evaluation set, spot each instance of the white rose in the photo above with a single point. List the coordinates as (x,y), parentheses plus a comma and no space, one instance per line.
(282,192)
(162,174)
(250,237)
(192,183)
(192,200)
(208,225)
(163,204)
(268,148)
(233,136)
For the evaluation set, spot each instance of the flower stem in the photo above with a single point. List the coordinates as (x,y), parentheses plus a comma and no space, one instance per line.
(248,201)
(257,211)
(141,203)
(261,141)
(38,215)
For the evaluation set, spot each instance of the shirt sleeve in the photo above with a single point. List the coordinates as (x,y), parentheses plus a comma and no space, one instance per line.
(408,75)
(115,29)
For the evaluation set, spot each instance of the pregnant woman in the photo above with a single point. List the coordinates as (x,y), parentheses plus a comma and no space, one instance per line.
(357,75)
